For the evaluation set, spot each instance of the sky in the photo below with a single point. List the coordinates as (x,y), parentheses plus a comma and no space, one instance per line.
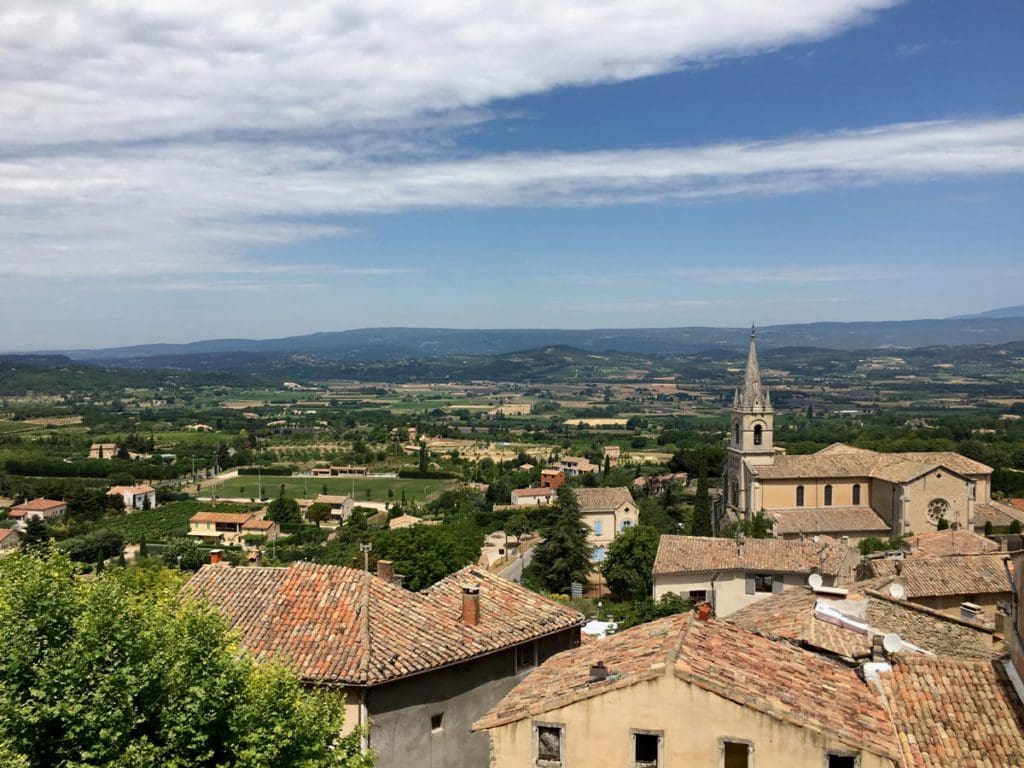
(175,171)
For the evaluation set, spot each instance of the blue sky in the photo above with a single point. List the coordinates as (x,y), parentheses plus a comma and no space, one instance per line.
(168,174)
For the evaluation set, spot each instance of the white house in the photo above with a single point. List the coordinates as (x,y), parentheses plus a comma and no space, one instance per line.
(135,496)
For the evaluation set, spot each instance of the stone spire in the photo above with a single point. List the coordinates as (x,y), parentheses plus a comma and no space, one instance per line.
(754,397)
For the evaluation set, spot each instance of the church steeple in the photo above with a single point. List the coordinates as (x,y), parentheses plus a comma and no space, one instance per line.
(754,397)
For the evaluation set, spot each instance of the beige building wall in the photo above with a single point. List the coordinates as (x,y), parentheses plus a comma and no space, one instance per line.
(611,524)
(950,604)
(727,590)
(939,484)
(781,494)
(693,722)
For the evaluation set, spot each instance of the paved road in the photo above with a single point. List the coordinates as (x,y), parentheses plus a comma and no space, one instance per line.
(514,571)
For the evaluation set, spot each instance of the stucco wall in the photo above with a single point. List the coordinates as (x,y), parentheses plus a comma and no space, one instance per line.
(598,731)
(729,587)
(781,494)
(400,712)
(950,605)
(940,484)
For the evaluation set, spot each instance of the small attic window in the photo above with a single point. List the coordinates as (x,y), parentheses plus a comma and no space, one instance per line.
(437,722)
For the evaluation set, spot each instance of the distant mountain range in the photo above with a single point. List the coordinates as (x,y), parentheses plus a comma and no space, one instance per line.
(382,344)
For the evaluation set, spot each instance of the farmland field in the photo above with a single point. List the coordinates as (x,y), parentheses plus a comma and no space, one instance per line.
(247,486)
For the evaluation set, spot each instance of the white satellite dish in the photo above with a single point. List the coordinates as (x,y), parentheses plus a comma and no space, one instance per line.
(892,643)
(896,591)
(814,581)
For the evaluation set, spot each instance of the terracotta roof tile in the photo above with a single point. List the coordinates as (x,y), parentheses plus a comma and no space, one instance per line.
(997,513)
(954,713)
(697,554)
(840,460)
(345,626)
(38,505)
(136,489)
(948,576)
(229,518)
(603,499)
(826,520)
(949,542)
(778,679)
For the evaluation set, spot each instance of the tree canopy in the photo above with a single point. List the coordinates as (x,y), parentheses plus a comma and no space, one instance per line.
(564,555)
(118,672)
(628,565)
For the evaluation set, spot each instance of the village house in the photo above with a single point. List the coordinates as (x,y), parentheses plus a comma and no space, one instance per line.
(45,509)
(948,542)
(232,528)
(655,484)
(607,512)
(573,466)
(135,496)
(682,691)
(199,427)
(733,573)
(842,490)
(847,624)
(103,451)
(613,455)
(345,471)
(341,506)
(552,478)
(416,668)
(978,587)
(530,497)
(10,540)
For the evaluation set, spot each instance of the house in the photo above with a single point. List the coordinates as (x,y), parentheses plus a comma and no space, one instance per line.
(733,573)
(552,478)
(685,692)
(613,455)
(530,497)
(948,542)
(345,471)
(977,586)
(44,509)
(572,466)
(341,506)
(135,496)
(404,521)
(842,490)
(10,540)
(656,484)
(846,624)
(232,528)
(608,512)
(103,451)
(199,427)
(417,668)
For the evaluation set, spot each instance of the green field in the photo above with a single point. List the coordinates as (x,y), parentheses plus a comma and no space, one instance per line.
(165,521)
(247,486)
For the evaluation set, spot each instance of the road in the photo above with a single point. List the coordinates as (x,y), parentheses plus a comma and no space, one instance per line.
(514,570)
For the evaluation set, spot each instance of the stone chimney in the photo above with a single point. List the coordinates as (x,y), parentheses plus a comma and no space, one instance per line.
(471,605)
(216,556)
(740,542)
(386,570)
(598,672)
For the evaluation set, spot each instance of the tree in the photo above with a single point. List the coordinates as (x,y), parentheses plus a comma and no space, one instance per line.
(122,452)
(942,525)
(178,695)
(518,525)
(184,554)
(283,509)
(702,525)
(564,555)
(424,457)
(143,547)
(629,563)
(318,513)
(37,532)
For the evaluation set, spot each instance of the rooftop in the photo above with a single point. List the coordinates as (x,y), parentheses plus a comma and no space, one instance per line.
(325,498)
(38,505)
(603,499)
(948,542)
(136,489)
(345,626)
(951,713)
(948,576)
(230,518)
(844,461)
(533,492)
(698,554)
(784,682)
(827,520)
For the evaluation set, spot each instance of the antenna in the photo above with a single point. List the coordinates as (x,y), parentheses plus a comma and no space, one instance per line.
(896,591)
(892,643)
(814,581)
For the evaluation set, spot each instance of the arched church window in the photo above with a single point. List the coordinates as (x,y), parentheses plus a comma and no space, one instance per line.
(799,495)
(758,429)
(828,495)
(938,509)
(735,492)
(736,428)
(856,494)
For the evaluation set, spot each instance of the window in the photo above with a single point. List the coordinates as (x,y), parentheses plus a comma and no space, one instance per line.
(735,493)
(646,749)
(549,745)
(736,430)
(758,430)
(828,495)
(760,582)
(938,509)
(626,524)
(526,657)
(598,554)
(598,527)
(698,596)
(799,495)
(436,721)
(841,760)
(856,494)
(735,754)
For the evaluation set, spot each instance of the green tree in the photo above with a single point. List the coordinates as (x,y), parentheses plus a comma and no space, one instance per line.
(425,554)
(318,513)
(118,672)
(37,533)
(564,555)
(143,547)
(183,553)
(424,457)
(629,563)
(283,509)
(702,525)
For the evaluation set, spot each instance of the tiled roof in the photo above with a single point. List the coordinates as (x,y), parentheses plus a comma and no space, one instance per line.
(778,679)
(996,513)
(37,505)
(949,542)
(345,626)
(229,518)
(404,521)
(826,520)
(325,498)
(121,489)
(698,554)
(6,532)
(948,576)
(603,499)
(954,713)
(533,492)
(258,525)
(840,460)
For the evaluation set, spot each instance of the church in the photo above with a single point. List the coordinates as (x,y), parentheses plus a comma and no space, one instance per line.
(841,490)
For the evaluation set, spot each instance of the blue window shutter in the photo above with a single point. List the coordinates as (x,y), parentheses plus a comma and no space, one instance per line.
(750,585)
(777,585)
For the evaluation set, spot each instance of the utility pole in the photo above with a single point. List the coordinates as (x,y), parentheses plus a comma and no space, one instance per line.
(365,549)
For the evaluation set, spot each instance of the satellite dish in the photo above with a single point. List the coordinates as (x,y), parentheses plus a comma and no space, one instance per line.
(892,643)
(814,581)
(896,591)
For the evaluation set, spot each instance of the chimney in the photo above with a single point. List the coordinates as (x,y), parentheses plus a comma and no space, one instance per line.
(386,570)
(877,648)
(704,611)
(216,556)
(598,672)
(740,539)
(471,605)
